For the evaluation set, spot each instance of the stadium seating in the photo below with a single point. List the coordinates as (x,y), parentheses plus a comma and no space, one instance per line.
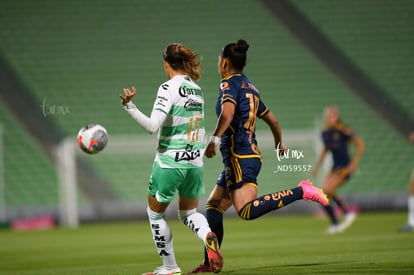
(376,35)
(81,54)
(29,175)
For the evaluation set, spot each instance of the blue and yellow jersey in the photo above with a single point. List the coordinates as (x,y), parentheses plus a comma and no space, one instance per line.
(336,140)
(240,138)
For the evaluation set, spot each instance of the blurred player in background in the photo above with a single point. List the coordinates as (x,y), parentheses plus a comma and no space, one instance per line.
(336,138)
(409,227)
(178,113)
(238,107)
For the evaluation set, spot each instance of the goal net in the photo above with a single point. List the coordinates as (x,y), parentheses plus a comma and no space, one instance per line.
(126,165)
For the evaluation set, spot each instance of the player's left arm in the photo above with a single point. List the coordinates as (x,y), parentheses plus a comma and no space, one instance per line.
(264,113)
(276,130)
(360,147)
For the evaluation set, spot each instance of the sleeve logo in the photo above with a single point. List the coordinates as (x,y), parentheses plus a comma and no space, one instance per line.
(224,86)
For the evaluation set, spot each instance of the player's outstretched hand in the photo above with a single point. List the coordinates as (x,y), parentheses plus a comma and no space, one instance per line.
(128,95)
(281,149)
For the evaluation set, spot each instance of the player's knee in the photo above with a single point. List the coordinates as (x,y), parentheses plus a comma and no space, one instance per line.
(225,204)
(154,215)
(219,204)
(183,214)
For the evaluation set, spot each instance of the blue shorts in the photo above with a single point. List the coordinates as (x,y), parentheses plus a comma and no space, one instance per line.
(238,171)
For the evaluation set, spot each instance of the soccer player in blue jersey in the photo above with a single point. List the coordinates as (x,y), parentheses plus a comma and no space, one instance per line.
(238,107)
(336,137)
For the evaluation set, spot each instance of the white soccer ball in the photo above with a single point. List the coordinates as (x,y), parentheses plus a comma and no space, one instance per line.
(92,138)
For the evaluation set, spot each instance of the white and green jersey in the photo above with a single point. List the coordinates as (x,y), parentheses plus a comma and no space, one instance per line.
(181,136)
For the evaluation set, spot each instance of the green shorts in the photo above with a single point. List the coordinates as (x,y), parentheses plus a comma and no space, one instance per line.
(165,182)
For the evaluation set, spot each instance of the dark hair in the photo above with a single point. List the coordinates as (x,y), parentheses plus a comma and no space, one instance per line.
(182,58)
(236,53)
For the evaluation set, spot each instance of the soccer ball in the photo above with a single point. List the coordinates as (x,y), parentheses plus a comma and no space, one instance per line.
(92,138)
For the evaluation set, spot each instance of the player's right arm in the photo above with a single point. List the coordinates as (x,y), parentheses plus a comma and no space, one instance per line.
(226,116)
(158,115)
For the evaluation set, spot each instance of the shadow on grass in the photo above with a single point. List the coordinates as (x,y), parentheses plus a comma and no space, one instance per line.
(300,268)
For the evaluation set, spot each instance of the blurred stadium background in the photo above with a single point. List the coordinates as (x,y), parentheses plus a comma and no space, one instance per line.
(63,64)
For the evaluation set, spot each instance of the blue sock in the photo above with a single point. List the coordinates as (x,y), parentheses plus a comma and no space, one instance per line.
(264,204)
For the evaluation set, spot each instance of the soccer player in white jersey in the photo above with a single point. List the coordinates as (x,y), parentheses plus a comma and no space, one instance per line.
(178,115)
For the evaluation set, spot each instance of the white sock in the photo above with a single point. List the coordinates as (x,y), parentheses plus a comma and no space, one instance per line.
(196,222)
(162,237)
(411,210)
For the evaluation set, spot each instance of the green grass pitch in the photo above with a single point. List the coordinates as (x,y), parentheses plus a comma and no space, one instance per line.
(276,244)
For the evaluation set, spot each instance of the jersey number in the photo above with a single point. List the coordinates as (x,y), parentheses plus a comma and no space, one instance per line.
(193,129)
(250,123)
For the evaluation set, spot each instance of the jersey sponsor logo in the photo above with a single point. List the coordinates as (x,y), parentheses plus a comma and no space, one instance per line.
(281,194)
(187,155)
(159,239)
(185,91)
(161,100)
(274,196)
(193,105)
(224,86)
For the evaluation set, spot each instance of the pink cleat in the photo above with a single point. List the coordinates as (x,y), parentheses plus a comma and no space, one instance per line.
(312,193)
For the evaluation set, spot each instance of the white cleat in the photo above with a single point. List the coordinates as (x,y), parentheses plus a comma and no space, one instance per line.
(334,229)
(348,221)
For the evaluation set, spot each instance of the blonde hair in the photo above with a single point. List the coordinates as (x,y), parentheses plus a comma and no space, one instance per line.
(182,58)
